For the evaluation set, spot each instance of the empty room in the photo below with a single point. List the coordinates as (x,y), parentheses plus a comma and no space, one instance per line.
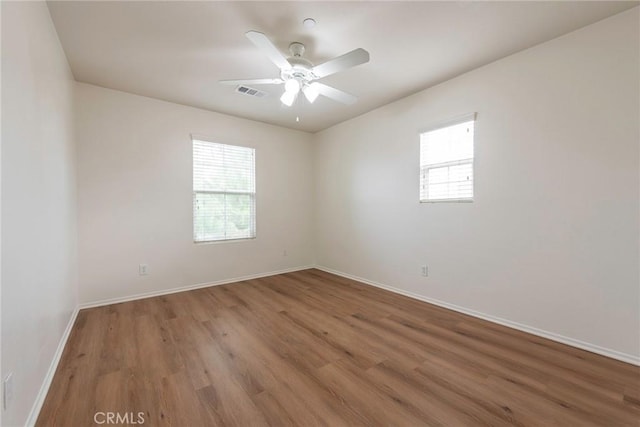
(312,213)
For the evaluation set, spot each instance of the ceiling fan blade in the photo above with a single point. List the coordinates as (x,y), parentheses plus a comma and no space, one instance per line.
(348,60)
(252,82)
(335,94)
(272,52)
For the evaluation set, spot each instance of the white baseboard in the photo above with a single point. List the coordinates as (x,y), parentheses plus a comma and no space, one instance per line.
(187,288)
(44,389)
(624,357)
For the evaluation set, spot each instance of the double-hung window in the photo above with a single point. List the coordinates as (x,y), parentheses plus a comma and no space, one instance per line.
(224,192)
(446,161)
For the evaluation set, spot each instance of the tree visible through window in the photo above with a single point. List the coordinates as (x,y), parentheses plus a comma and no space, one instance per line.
(224,195)
(446,162)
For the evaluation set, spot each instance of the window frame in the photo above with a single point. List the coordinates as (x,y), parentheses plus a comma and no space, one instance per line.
(471,117)
(195,193)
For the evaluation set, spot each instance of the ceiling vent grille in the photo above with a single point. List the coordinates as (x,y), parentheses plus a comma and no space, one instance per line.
(249,91)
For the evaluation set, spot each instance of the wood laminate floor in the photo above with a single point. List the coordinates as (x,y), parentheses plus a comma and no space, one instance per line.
(310,348)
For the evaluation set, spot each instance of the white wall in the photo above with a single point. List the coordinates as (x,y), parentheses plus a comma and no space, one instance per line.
(135,196)
(551,240)
(39,284)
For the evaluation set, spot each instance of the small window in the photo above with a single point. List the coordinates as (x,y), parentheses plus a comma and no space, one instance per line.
(446,162)
(224,192)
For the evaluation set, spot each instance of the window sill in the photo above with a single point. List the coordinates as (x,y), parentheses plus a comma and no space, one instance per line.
(217,242)
(447,201)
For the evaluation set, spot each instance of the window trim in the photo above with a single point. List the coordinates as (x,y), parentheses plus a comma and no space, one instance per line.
(254,225)
(469,117)
(439,124)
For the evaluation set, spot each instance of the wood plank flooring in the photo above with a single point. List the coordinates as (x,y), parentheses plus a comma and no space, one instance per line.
(313,349)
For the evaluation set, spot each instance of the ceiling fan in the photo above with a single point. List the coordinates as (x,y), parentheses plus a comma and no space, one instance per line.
(298,74)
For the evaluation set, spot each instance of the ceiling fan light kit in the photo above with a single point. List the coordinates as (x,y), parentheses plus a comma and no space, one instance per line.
(299,74)
(292,85)
(292,89)
(288,98)
(311,92)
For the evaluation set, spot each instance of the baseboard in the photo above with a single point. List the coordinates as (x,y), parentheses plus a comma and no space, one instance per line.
(187,288)
(44,388)
(628,358)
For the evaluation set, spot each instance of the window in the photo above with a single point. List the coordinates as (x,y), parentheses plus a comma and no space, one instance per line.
(224,192)
(446,161)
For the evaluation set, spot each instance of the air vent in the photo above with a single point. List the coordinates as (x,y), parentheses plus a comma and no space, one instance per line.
(249,91)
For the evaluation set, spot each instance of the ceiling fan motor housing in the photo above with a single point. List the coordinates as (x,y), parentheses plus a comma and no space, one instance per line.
(300,67)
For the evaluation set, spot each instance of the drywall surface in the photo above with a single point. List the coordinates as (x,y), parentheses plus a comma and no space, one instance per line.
(135,196)
(39,283)
(551,239)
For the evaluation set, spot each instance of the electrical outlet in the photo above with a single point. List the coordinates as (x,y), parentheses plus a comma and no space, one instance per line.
(425,270)
(284,252)
(7,390)
(143,269)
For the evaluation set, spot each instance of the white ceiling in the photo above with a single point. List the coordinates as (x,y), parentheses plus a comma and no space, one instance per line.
(177,51)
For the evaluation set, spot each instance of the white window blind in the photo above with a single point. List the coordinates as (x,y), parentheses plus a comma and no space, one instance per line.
(446,162)
(224,192)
